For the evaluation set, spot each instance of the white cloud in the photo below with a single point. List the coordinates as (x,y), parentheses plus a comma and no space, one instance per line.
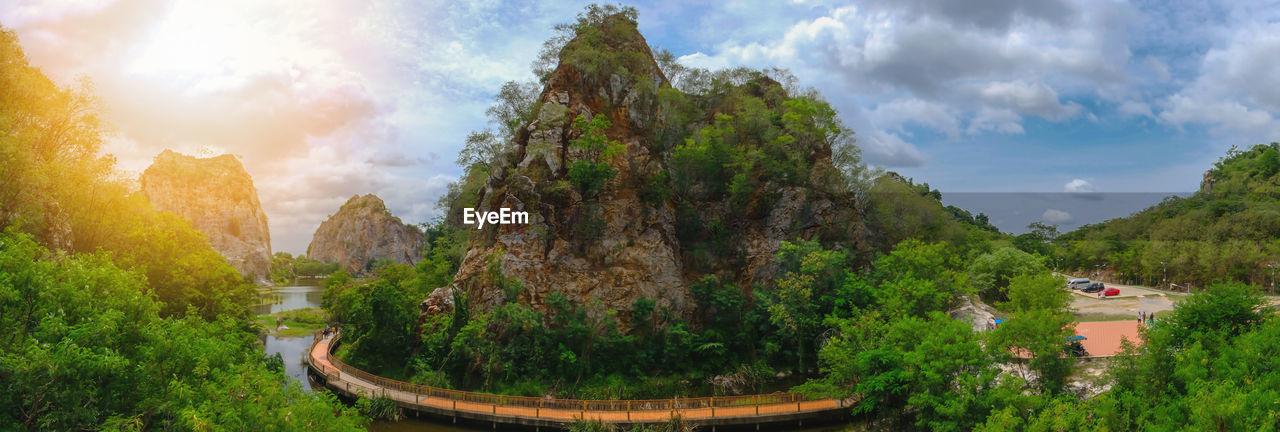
(898,113)
(1029,98)
(1237,93)
(1224,116)
(998,120)
(1078,186)
(1135,109)
(975,67)
(888,149)
(988,14)
(1055,216)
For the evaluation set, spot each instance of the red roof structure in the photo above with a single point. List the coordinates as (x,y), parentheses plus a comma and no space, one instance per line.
(1103,337)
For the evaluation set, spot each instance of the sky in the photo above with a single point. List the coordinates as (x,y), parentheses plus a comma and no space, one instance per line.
(323,100)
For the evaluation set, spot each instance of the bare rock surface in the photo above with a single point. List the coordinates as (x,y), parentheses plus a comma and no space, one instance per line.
(607,251)
(362,233)
(218,197)
(979,315)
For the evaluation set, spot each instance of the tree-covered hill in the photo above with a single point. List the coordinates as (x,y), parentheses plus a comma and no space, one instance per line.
(1228,230)
(677,214)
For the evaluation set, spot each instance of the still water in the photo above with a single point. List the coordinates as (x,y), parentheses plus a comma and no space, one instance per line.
(306,294)
(278,299)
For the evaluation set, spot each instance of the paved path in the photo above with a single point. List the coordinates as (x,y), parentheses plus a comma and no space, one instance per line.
(343,380)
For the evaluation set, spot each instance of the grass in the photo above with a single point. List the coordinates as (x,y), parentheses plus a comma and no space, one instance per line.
(1100,316)
(300,322)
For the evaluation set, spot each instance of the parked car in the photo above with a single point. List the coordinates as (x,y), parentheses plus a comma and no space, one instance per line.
(1111,291)
(1093,287)
(1077,283)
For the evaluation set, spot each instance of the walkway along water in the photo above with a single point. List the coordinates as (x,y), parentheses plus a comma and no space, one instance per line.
(532,411)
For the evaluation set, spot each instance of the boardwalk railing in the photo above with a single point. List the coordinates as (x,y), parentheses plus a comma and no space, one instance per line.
(793,400)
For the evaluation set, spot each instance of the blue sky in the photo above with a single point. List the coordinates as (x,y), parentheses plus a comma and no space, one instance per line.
(341,98)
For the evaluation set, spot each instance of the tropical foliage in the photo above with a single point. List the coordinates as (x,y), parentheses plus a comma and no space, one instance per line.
(114,316)
(1226,231)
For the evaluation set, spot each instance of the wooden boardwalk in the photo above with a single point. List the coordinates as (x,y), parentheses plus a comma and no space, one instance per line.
(706,411)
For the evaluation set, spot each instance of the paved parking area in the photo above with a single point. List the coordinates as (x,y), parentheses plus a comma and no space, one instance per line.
(1125,291)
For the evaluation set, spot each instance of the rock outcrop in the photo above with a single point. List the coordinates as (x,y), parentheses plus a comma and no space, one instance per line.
(362,233)
(218,197)
(609,249)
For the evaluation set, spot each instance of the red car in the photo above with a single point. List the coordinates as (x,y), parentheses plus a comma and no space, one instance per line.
(1111,291)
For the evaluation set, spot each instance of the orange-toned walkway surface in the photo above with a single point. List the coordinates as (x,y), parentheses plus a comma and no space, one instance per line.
(523,410)
(1103,337)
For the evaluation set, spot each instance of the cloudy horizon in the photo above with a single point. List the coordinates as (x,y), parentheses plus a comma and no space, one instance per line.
(334,99)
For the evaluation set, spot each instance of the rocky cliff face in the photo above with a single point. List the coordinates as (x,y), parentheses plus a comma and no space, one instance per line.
(628,242)
(218,197)
(363,232)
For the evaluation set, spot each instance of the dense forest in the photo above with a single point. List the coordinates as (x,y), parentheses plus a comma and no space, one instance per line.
(287,268)
(736,140)
(1227,231)
(869,322)
(115,316)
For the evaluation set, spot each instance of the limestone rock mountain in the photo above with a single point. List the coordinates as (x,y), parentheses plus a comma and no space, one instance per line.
(363,232)
(633,239)
(217,195)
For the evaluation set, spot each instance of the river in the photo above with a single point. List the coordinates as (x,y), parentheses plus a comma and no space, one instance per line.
(282,298)
(307,294)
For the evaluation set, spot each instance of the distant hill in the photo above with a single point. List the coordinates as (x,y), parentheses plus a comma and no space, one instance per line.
(218,197)
(362,233)
(1229,229)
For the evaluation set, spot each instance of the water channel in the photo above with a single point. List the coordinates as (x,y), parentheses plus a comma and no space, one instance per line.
(307,294)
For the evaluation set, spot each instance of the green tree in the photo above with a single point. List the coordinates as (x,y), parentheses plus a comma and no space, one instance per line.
(808,273)
(85,347)
(916,278)
(1268,163)
(992,272)
(1037,291)
(378,321)
(592,170)
(912,373)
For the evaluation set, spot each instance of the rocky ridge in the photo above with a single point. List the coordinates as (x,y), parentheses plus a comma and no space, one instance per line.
(636,251)
(218,196)
(363,232)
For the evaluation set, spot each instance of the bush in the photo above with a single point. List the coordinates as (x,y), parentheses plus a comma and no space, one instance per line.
(380,408)
(592,171)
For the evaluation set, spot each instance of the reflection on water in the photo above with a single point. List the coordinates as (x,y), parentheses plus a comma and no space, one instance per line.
(291,350)
(279,299)
(415,425)
(306,294)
